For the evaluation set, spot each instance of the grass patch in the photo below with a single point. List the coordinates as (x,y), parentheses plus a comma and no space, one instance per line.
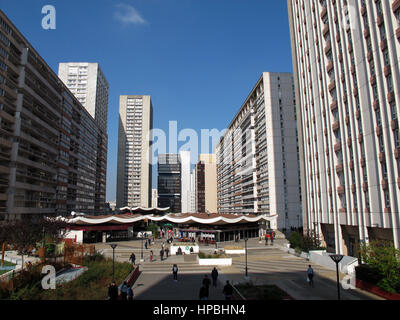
(6,264)
(263,292)
(91,285)
(203,255)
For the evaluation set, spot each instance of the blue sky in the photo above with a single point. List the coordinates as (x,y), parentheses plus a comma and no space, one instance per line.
(198,59)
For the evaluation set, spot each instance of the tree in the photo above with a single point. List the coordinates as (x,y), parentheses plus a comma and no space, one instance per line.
(385,258)
(24,234)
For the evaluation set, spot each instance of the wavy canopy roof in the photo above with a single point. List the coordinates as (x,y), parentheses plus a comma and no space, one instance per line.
(208,219)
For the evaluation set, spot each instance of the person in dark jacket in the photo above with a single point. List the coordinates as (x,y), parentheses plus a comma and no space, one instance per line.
(214,276)
(124,291)
(132,258)
(206,281)
(113,291)
(175,272)
(203,295)
(228,291)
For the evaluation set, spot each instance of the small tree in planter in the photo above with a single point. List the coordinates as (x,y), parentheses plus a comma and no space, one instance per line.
(383,257)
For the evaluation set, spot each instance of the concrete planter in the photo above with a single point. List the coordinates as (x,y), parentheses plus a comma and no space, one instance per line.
(215,262)
(185,249)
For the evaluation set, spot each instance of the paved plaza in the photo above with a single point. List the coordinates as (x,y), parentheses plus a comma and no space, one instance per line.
(266,265)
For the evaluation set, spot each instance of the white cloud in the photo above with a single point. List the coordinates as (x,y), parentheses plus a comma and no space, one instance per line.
(127,14)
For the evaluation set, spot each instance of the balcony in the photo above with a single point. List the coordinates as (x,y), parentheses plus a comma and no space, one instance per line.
(387,70)
(341,190)
(335,126)
(329,67)
(353,188)
(328,47)
(339,168)
(332,86)
(378,130)
(338,147)
(390,97)
(384,184)
(366,33)
(381,157)
(370,55)
(394,124)
(360,138)
(398,33)
(351,165)
(376,105)
(362,162)
(396,153)
(334,105)
(379,20)
(383,44)
(372,80)
(365,186)
(396,5)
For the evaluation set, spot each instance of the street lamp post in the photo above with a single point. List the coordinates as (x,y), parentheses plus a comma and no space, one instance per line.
(113,246)
(141,259)
(337,258)
(245,242)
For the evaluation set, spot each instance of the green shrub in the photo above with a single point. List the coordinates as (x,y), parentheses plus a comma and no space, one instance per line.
(384,259)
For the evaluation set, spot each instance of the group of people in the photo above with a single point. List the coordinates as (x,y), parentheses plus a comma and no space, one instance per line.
(126,292)
(270,237)
(204,290)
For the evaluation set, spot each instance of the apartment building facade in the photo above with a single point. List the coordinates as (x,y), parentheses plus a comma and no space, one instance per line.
(134,176)
(52,150)
(170,182)
(257,158)
(206,184)
(346,64)
(89,85)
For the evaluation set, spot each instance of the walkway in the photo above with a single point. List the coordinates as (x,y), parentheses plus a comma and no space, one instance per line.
(266,265)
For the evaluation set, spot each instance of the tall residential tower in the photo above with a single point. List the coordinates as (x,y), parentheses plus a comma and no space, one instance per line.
(346,63)
(134,177)
(257,158)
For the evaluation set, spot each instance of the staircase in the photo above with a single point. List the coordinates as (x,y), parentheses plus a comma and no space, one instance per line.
(165,267)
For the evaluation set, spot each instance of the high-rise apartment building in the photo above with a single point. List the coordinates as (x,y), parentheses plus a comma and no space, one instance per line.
(257,158)
(347,76)
(170,182)
(206,184)
(134,177)
(52,150)
(89,85)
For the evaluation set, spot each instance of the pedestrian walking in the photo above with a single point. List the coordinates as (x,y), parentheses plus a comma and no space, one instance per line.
(266,239)
(272,239)
(132,258)
(214,276)
(228,291)
(206,281)
(175,272)
(162,246)
(310,276)
(145,244)
(166,252)
(113,291)
(161,254)
(151,255)
(203,294)
(130,293)
(124,291)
